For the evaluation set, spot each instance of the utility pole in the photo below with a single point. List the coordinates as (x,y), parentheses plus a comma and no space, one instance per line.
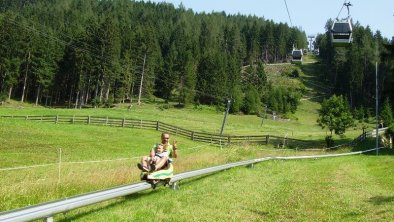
(142,79)
(25,78)
(265,115)
(225,115)
(377,109)
(377,99)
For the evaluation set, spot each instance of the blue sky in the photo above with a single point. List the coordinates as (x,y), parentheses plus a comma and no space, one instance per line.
(309,15)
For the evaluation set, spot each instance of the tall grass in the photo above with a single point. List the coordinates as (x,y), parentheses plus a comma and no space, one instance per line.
(353,188)
(62,160)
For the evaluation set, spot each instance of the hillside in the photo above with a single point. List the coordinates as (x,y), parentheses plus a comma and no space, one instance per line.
(42,161)
(301,125)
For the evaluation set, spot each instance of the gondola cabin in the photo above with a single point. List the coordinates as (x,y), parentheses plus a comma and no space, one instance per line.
(341,33)
(296,55)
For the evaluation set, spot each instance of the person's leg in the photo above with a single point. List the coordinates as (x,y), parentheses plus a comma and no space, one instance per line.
(160,163)
(152,164)
(144,165)
(145,161)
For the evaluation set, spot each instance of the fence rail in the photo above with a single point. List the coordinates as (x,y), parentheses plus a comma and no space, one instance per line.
(215,139)
(48,210)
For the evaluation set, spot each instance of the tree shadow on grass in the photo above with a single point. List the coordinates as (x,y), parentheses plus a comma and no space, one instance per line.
(382,152)
(379,200)
(261,213)
(76,216)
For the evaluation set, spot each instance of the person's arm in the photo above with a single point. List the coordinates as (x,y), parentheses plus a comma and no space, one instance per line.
(174,149)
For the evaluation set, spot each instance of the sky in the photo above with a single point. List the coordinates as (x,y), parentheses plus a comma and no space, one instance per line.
(309,15)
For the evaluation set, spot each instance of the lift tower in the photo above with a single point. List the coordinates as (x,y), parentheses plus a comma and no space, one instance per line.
(311,40)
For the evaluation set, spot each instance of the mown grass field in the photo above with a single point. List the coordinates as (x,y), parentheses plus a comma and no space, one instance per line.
(356,188)
(100,157)
(92,158)
(206,119)
(40,162)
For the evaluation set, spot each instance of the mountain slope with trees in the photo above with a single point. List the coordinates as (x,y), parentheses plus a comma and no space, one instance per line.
(98,52)
(79,53)
(351,71)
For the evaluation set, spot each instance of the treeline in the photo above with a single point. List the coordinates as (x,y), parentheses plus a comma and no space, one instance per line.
(73,52)
(351,71)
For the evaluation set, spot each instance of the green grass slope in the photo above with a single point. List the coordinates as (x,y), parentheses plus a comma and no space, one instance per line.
(357,188)
(41,162)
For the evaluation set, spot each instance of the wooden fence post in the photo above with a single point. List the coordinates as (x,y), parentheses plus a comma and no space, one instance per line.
(267,138)
(204,137)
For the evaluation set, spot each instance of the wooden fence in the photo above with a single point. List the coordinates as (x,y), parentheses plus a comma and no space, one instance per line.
(177,131)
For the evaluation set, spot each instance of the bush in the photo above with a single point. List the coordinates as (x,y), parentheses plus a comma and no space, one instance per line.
(197,106)
(295,73)
(3,98)
(251,103)
(109,103)
(95,102)
(329,141)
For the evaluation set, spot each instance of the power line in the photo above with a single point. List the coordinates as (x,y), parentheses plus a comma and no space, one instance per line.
(288,13)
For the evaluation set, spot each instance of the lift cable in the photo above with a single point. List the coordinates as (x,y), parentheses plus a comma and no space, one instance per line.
(288,13)
(347,4)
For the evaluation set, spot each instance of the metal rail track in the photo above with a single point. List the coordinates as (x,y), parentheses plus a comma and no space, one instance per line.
(49,209)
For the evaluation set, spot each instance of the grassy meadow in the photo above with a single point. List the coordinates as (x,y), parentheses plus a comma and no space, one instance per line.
(356,188)
(42,161)
(90,157)
(302,125)
(100,157)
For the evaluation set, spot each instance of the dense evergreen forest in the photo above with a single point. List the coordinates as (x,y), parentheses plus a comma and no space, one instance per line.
(97,52)
(351,71)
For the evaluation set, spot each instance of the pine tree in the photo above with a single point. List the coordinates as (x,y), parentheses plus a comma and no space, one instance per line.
(386,115)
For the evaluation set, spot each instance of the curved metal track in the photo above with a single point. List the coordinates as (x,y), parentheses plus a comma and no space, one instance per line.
(49,209)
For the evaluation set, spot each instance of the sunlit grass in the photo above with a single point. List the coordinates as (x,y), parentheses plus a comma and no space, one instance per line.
(83,158)
(100,157)
(356,188)
(302,124)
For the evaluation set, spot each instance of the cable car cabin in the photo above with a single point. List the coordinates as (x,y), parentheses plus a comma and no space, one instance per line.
(341,33)
(296,56)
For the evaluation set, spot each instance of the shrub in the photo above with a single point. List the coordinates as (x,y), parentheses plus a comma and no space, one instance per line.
(3,98)
(95,102)
(295,73)
(329,141)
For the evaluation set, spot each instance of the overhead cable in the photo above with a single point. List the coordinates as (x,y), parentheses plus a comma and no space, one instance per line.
(288,13)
